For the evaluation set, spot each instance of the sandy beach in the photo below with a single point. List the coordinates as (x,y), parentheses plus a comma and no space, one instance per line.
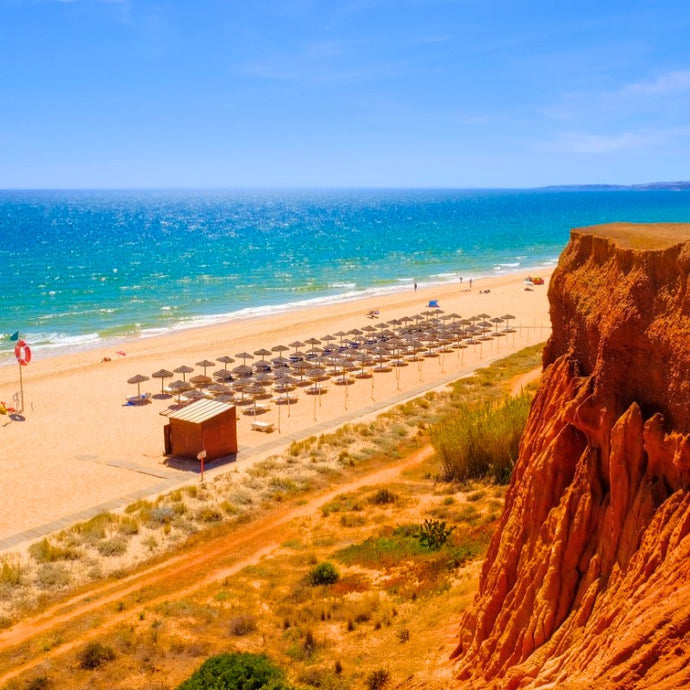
(80,449)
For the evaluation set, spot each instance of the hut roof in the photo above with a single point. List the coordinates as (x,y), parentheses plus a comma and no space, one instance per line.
(200,411)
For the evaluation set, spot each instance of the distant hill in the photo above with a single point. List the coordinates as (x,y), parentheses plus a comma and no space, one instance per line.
(680,186)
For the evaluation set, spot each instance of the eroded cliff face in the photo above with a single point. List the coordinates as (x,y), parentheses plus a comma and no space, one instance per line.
(587,581)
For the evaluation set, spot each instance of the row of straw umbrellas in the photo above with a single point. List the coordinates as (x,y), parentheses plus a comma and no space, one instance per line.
(342,357)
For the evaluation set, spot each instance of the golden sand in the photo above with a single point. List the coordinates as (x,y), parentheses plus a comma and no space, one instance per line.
(80,448)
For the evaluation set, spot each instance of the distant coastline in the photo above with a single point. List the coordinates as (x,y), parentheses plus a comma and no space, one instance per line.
(679,186)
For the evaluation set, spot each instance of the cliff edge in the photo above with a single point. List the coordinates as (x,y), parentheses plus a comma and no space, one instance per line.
(587,580)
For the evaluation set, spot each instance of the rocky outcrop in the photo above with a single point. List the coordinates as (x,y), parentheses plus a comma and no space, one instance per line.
(586,583)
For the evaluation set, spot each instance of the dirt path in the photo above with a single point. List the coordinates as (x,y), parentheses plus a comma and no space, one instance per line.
(519,382)
(210,562)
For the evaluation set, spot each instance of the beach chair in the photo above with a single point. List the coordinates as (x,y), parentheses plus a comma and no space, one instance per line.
(142,399)
(266,427)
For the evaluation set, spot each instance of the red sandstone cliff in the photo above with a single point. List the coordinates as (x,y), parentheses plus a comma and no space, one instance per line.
(587,581)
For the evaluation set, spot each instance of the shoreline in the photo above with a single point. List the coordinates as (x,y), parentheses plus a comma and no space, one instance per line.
(80,446)
(86,342)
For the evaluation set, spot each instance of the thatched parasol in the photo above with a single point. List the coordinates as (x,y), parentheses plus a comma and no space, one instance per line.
(184,370)
(200,380)
(205,364)
(138,379)
(162,374)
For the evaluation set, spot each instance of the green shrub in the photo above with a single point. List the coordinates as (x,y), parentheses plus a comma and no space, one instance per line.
(323,574)
(94,655)
(481,441)
(237,671)
(433,534)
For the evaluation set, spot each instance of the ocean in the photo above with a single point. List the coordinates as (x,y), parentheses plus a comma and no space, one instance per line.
(83,269)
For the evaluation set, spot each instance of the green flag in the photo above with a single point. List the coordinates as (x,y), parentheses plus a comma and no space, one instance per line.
(15,336)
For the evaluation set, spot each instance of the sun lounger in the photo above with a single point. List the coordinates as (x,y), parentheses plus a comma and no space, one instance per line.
(142,399)
(262,426)
(285,399)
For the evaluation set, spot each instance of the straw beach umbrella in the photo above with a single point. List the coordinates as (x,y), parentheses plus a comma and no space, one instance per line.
(223,375)
(205,364)
(162,374)
(180,387)
(138,379)
(200,380)
(184,370)
(243,370)
(244,356)
(496,320)
(507,318)
(255,390)
(225,359)
(218,388)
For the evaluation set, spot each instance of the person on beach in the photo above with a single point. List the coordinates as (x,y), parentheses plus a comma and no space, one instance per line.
(415,286)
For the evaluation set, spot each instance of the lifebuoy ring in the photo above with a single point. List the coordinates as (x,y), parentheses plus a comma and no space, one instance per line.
(22,352)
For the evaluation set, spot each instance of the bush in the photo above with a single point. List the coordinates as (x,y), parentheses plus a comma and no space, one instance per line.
(237,671)
(242,625)
(11,572)
(383,497)
(46,551)
(115,546)
(323,574)
(433,534)
(482,441)
(94,655)
(378,679)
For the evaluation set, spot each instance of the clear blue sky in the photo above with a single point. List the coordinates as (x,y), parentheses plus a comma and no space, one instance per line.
(343,93)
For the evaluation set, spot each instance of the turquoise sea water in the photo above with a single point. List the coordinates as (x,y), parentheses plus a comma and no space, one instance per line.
(83,269)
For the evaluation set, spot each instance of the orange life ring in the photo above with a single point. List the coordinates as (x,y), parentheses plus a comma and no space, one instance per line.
(22,352)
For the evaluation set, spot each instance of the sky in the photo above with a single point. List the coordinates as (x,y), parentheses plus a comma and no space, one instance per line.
(343,93)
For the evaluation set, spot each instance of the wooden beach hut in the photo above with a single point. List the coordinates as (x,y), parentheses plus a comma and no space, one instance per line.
(207,425)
